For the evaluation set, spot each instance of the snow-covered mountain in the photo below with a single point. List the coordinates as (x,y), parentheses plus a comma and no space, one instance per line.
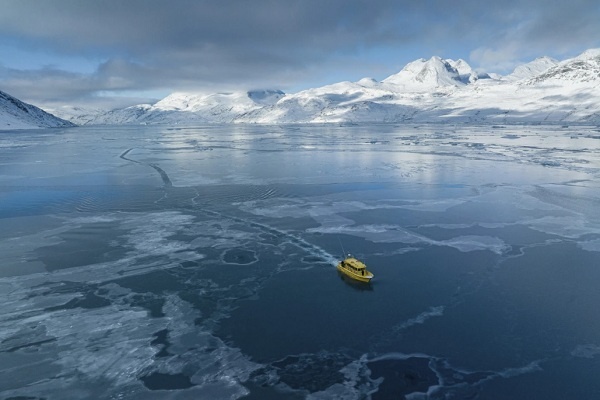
(583,70)
(185,108)
(434,73)
(532,69)
(15,114)
(434,90)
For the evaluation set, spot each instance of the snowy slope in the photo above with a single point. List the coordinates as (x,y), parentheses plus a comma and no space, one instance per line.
(76,114)
(434,90)
(466,73)
(187,108)
(583,70)
(15,114)
(532,69)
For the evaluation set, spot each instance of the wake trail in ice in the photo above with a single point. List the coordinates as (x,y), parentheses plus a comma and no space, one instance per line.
(163,175)
(312,249)
(297,241)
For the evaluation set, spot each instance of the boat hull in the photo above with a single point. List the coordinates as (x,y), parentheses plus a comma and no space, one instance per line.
(361,278)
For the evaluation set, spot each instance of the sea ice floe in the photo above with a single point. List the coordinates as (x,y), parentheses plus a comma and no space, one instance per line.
(149,233)
(475,243)
(218,233)
(590,245)
(457,382)
(533,366)
(196,352)
(420,319)
(18,252)
(282,208)
(339,377)
(93,219)
(572,227)
(338,391)
(386,337)
(396,234)
(434,205)
(108,343)
(113,345)
(374,233)
(586,351)
(522,197)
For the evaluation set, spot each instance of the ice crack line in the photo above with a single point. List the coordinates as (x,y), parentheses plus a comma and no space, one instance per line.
(163,175)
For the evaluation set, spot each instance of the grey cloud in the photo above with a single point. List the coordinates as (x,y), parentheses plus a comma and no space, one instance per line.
(561,24)
(137,27)
(195,44)
(191,44)
(558,29)
(46,84)
(312,28)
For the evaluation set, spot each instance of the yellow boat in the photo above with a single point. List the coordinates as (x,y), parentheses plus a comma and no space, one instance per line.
(355,269)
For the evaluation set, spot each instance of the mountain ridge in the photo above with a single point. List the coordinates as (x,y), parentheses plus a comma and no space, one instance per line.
(433,90)
(16,114)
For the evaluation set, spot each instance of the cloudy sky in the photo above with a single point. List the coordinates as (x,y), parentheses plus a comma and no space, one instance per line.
(120,52)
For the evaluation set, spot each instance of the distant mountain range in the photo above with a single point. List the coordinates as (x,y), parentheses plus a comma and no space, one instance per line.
(437,90)
(179,108)
(424,91)
(15,114)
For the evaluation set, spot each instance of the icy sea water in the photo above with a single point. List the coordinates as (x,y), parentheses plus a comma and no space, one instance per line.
(198,262)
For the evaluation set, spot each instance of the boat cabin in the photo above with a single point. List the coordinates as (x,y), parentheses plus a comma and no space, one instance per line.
(355,269)
(354,265)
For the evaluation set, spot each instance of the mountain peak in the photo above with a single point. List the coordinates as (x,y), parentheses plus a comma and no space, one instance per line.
(367,82)
(422,73)
(461,66)
(583,69)
(589,54)
(465,72)
(531,69)
(265,97)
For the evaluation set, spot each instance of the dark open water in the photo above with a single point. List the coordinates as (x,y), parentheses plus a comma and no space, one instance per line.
(198,263)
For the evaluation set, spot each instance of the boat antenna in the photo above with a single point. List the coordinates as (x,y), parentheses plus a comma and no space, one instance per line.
(342,246)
